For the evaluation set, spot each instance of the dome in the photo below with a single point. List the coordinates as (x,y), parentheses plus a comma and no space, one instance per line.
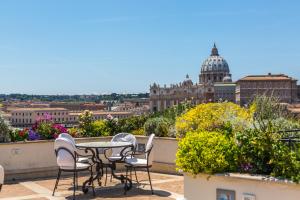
(227,79)
(215,63)
(187,81)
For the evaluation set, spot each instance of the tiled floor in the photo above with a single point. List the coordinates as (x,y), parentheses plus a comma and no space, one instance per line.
(165,187)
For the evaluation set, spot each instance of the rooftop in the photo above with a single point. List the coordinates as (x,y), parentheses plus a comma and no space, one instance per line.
(165,187)
(268,77)
(39,109)
(102,113)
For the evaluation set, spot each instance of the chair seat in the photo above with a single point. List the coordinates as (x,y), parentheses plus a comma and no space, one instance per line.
(79,166)
(1,175)
(116,158)
(136,162)
(83,160)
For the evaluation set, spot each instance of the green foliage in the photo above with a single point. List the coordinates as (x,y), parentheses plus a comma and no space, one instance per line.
(45,129)
(18,135)
(256,131)
(74,132)
(206,152)
(159,126)
(99,128)
(131,124)
(85,122)
(262,153)
(4,130)
(222,117)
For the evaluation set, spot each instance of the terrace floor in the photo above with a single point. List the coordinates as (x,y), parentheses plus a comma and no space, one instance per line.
(165,187)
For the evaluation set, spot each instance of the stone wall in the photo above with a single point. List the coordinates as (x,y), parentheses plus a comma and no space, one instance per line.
(37,159)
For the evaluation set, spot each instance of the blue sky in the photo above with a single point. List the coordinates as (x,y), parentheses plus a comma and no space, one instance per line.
(84,47)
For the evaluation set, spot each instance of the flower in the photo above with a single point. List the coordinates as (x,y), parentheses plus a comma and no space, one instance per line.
(59,128)
(33,135)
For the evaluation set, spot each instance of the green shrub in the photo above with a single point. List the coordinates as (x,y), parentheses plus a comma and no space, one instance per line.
(159,126)
(130,124)
(99,128)
(140,131)
(206,152)
(4,130)
(85,122)
(214,117)
(261,152)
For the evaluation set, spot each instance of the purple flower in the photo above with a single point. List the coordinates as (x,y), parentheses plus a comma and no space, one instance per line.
(33,135)
(246,167)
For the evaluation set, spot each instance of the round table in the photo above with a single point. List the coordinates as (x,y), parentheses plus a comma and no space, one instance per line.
(95,147)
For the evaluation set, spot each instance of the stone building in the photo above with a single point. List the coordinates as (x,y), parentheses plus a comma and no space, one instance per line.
(215,83)
(277,85)
(26,117)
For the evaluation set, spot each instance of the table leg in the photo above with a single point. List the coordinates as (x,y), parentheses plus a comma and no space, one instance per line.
(98,176)
(124,179)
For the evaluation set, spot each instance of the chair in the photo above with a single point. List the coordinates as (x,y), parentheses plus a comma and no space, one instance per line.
(116,152)
(69,137)
(1,177)
(66,157)
(141,163)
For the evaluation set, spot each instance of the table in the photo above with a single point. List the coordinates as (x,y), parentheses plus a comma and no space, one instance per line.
(95,147)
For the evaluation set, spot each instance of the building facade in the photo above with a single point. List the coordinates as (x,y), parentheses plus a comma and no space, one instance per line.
(215,83)
(280,86)
(26,117)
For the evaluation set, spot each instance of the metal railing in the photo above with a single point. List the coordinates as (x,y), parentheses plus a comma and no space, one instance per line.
(291,137)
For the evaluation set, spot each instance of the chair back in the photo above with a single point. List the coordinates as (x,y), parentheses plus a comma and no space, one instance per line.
(1,175)
(65,152)
(122,137)
(148,149)
(67,136)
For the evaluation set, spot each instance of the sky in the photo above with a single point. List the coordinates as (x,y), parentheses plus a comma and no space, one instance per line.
(94,47)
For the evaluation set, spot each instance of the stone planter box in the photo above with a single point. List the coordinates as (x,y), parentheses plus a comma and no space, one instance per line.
(35,159)
(204,187)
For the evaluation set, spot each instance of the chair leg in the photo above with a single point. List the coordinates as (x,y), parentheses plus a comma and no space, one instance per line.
(149,179)
(77,180)
(0,187)
(105,176)
(57,180)
(126,180)
(93,186)
(130,173)
(111,176)
(74,186)
(136,176)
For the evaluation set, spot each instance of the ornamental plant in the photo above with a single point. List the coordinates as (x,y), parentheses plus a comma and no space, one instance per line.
(159,126)
(214,117)
(206,152)
(4,129)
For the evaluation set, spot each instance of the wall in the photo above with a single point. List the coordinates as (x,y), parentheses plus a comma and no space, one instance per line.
(36,159)
(203,187)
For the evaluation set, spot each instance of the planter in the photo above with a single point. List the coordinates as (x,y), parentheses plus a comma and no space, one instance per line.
(33,159)
(243,187)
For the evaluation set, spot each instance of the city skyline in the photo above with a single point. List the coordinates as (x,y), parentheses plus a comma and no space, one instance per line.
(103,47)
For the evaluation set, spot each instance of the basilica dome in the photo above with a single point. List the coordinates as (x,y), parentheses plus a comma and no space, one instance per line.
(215,63)
(214,68)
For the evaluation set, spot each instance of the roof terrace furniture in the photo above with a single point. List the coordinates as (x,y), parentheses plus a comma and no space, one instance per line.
(115,156)
(71,139)
(96,147)
(1,177)
(67,161)
(133,163)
